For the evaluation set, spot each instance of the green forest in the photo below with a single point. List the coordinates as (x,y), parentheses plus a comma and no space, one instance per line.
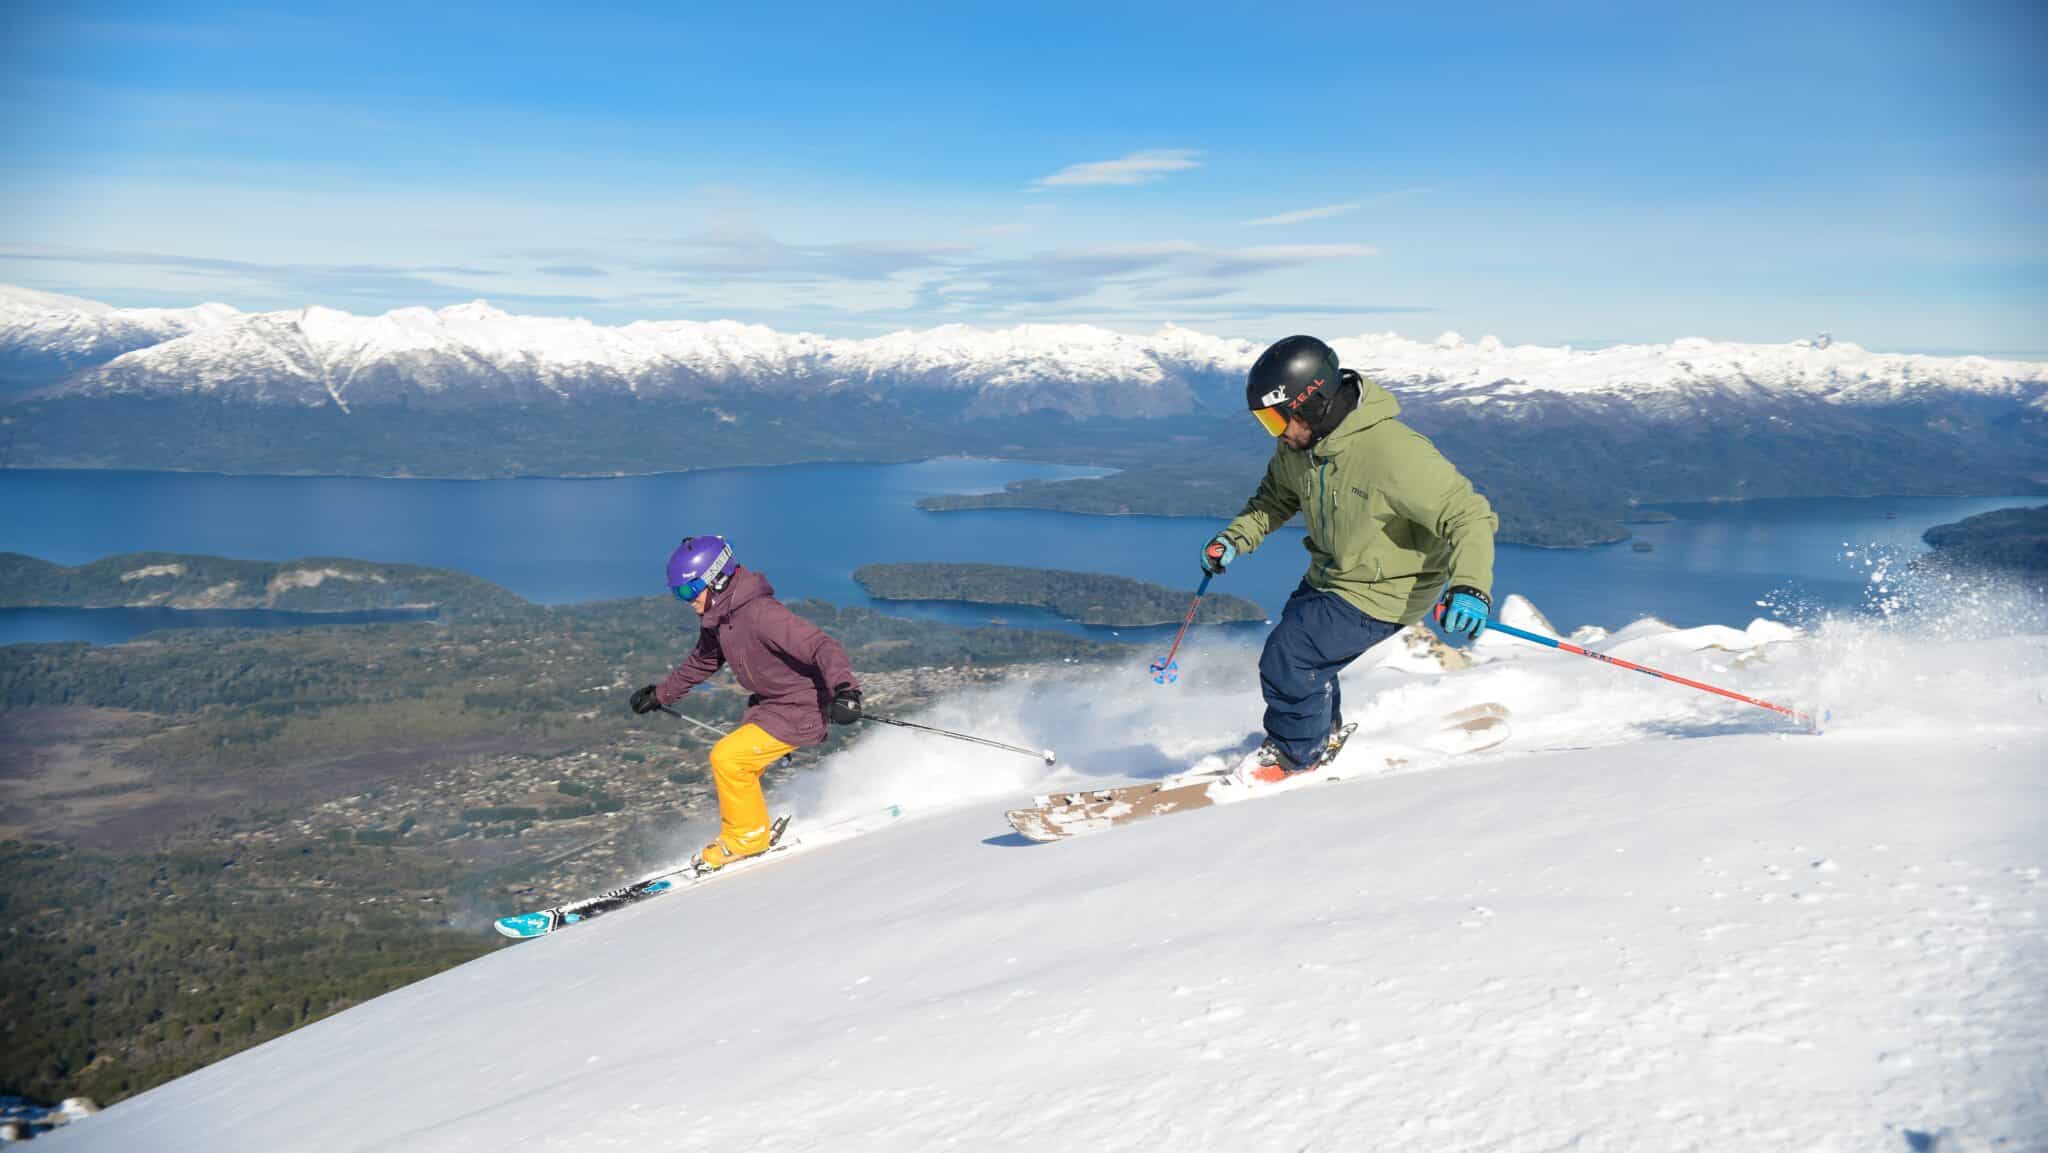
(124,970)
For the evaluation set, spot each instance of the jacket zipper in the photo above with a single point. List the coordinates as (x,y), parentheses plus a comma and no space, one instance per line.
(1323,514)
(1323,502)
(739,666)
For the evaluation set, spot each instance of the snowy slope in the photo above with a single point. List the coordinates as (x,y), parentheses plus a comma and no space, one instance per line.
(45,336)
(474,353)
(1653,921)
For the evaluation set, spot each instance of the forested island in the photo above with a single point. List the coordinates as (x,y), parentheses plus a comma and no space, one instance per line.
(1090,598)
(2012,539)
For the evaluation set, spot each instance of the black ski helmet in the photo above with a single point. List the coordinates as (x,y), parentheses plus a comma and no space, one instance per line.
(1297,376)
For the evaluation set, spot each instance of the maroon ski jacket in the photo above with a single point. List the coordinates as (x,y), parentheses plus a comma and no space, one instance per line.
(790,666)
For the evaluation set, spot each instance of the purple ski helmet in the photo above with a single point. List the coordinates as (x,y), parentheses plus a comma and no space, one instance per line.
(699,563)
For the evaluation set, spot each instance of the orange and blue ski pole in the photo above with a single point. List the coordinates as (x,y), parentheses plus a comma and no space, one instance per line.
(1806,719)
(1164,671)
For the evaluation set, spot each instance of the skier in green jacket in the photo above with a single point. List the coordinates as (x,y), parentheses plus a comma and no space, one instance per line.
(1391,524)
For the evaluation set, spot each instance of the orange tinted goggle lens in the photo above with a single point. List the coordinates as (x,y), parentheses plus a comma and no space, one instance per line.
(1273,419)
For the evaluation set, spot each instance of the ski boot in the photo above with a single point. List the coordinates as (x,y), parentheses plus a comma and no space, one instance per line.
(1269,765)
(716,856)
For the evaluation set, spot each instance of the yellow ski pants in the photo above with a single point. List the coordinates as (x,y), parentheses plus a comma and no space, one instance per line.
(737,762)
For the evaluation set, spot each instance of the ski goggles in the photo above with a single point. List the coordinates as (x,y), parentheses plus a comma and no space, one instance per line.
(1271,419)
(713,577)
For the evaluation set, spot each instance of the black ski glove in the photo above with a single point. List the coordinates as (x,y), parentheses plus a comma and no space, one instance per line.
(846,705)
(646,700)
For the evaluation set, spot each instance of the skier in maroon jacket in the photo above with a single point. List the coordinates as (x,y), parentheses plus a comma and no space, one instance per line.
(798,676)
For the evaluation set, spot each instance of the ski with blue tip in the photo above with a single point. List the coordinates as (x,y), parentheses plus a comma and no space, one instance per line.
(540,923)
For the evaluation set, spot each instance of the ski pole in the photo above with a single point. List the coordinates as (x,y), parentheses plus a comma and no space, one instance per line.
(710,728)
(694,721)
(1552,642)
(1164,671)
(1046,755)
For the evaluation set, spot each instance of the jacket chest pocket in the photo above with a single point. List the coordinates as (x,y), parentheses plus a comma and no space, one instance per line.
(1372,532)
(1346,510)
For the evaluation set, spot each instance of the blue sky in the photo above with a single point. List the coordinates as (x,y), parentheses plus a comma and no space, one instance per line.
(1587,173)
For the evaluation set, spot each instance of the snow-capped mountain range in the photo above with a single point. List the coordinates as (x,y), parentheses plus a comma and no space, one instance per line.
(474,354)
(44,336)
(1561,438)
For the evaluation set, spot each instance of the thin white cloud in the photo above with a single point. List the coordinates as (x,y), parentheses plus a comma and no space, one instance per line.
(1174,269)
(742,255)
(1238,262)
(1301,215)
(1136,168)
(1304,252)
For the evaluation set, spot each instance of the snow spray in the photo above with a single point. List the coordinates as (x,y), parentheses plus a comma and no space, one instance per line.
(1812,721)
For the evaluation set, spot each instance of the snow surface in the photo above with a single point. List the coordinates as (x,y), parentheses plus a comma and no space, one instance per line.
(50,325)
(321,355)
(1654,920)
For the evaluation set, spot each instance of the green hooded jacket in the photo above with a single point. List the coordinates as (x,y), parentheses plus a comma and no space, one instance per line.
(1390,521)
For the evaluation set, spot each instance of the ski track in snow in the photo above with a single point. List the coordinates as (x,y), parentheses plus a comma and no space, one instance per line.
(1654,920)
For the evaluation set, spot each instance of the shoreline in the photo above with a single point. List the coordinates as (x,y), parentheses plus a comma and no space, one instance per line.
(969,458)
(1099,470)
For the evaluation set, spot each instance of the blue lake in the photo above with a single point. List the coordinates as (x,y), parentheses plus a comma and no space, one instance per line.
(808,526)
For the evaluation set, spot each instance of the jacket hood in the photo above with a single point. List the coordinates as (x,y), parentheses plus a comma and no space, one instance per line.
(1375,404)
(746,585)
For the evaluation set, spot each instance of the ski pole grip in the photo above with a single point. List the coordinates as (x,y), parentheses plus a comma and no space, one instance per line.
(1438,612)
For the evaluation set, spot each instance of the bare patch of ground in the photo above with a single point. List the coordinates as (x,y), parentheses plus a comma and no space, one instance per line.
(61,770)
(67,774)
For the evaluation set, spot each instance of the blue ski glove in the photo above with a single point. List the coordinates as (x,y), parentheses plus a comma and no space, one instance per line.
(1217,554)
(1463,611)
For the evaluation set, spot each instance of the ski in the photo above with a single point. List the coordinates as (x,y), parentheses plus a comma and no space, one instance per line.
(540,923)
(1057,816)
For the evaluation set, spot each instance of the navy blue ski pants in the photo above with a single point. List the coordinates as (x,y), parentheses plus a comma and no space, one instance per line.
(1319,633)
